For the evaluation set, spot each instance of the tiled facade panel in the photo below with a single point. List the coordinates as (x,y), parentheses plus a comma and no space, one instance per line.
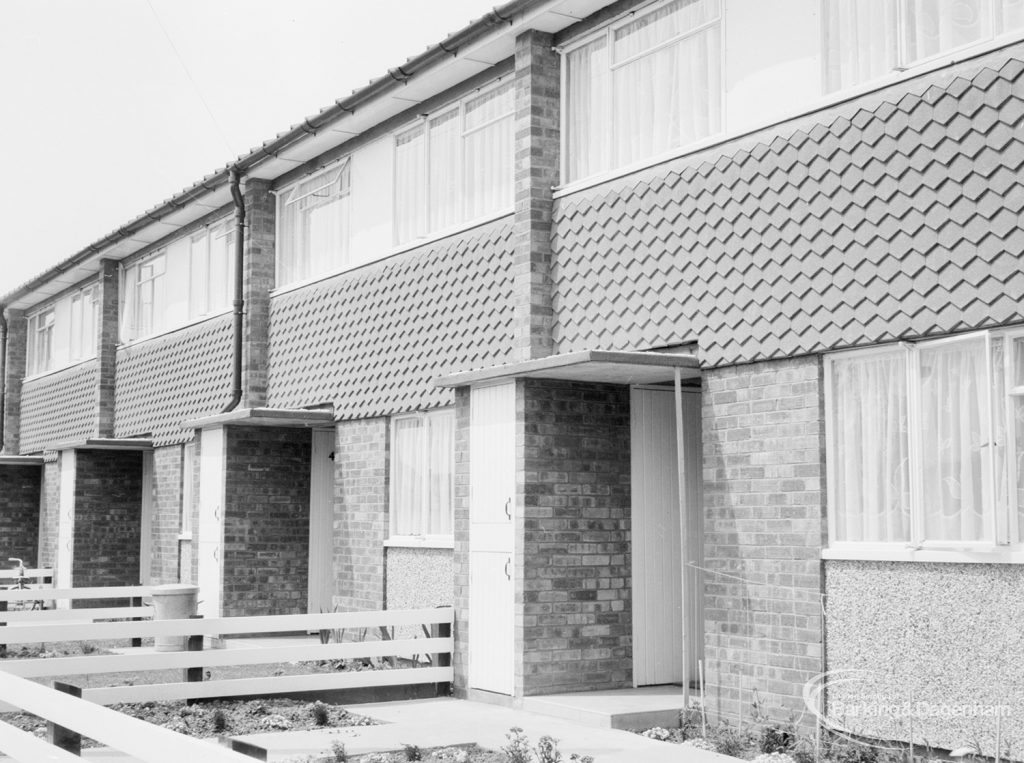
(895,216)
(373,341)
(266,521)
(577,579)
(166,514)
(20,488)
(361,519)
(173,378)
(764,527)
(943,634)
(108,514)
(59,407)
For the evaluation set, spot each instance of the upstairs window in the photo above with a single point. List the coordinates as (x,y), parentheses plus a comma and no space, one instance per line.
(63,333)
(643,86)
(925,442)
(314,225)
(456,165)
(422,473)
(211,269)
(144,297)
(867,39)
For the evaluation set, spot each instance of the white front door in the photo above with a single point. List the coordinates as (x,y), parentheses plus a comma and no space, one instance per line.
(492,490)
(210,548)
(146,520)
(321,523)
(65,523)
(657,559)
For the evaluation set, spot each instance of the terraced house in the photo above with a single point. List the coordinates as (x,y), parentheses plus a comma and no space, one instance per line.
(654,336)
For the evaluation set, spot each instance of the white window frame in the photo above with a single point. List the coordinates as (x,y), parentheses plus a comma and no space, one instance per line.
(1004,533)
(608,30)
(131,327)
(434,540)
(223,229)
(901,56)
(423,123)
(287,196)
(78,334)
(40,323)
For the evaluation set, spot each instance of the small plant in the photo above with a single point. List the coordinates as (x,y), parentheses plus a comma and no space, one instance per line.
(87,647)
(320,712)
(774,757)
(220,721)
(518,748)
(577,758)
(412,752)
(730,741)
(662,735)
(689,722)
(700,743)
(547,750)
(338,751)
(776,739)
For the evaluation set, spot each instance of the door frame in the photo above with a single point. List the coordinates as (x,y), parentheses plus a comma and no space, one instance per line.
(321,522)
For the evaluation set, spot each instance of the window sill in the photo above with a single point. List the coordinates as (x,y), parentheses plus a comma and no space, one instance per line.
(393,252)
(185,536)
(420,541)
(52,371)
(822,103)
(987,554)
(180,327)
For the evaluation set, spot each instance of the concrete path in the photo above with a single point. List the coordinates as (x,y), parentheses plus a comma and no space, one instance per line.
(445,721)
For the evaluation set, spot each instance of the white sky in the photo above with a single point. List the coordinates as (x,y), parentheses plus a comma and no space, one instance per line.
(99,120)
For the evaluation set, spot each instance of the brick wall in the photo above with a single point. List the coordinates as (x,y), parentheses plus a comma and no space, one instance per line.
(764,528)
(166,514)
(19,512)
(13,372)
(48,513)
(576,628)
(258,280)
(266,521)
(361,513)
(460,532)
(108,503)
(106,346)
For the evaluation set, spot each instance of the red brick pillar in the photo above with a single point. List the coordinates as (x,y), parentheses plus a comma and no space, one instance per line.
(106,347)
(257,280)
(536,173)
(13,372)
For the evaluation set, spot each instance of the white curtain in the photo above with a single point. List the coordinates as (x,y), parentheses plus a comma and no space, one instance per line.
(314,226)
(444,165)
(1012,15)
(410,184)
(588,79)
(1016,404)
(936,26)
(956,441)
(860,41)
(422,453)
(488,152)
(871,448)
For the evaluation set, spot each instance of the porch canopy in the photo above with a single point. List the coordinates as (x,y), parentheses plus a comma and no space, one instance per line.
(266,417)
(597,366)
(106,443)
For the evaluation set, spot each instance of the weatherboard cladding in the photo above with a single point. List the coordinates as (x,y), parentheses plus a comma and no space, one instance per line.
(902,220)
(372,341)
(58,407)
(170,379)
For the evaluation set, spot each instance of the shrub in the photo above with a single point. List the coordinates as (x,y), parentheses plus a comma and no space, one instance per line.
(412,752)
(338,751)
(776,739)
(518,748)
(729,741)
(321,713)
(700,743)
(220,721)
(547,750)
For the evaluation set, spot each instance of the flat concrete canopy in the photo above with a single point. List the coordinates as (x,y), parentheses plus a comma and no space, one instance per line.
(21,460)
(598,366)
(265,417)
(106,443)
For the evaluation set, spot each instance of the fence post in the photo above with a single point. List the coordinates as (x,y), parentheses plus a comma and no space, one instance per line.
(3,647)
(136,602)
(443,659)
(194,644)
(62,737)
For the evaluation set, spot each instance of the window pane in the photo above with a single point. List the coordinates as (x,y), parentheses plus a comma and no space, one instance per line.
(314,226)
(936,26)
(445,141)
(1012,15)
(870,448)
(860,41)
(661,25)
(589,97)
(407,476)
(410,185)
(199,272)
(488,152)
(440,487)
(955,440)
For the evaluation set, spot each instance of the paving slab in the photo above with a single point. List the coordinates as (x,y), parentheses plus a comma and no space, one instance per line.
(445,721)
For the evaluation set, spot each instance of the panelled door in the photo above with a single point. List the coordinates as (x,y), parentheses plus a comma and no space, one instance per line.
(321,522)
(210,549)
(657,560)
(491,537)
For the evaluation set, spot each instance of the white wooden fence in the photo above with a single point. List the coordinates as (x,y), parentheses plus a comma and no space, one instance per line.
(132,594)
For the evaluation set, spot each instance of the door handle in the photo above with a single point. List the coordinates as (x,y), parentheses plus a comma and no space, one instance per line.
(508,508)
(507,563)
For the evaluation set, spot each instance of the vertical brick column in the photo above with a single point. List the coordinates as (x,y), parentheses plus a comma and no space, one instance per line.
(536,172)
(14,371)
(764,526)
(106,347)
(360,513)
(258,280)
(460,528)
